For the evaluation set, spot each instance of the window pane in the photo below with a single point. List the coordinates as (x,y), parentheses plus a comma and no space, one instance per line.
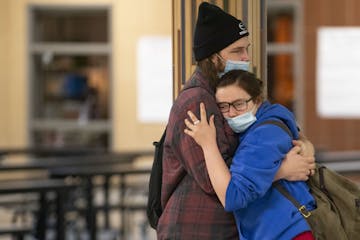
(281,79)
(70,25)
(71,87)
(280,25)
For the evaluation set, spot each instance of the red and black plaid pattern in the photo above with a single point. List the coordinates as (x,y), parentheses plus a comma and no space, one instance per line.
(191,207)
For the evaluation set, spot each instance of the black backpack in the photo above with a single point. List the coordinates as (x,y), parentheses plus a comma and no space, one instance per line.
(153,208)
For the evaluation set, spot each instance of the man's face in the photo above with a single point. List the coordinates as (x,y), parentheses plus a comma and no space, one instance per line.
(237,51)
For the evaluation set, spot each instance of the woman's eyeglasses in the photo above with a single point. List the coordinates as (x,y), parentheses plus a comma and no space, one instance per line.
(239,105)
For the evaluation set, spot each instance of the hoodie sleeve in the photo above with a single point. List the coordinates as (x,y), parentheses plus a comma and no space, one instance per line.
(255,164)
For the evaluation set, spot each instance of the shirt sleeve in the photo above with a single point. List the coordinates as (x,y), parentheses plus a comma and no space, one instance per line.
(255,164)
(188,151)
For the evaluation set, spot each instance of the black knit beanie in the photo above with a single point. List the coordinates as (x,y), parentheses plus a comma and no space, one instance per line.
(215,30)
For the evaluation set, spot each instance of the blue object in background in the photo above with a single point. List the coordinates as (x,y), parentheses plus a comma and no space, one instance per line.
(75,86)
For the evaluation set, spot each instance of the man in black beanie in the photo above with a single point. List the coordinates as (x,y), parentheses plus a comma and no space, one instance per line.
(220,41)
(191,209)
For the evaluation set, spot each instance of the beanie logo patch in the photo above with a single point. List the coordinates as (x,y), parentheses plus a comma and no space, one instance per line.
(243,29)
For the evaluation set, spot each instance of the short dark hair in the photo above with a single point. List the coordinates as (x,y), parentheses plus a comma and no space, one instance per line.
(245,80)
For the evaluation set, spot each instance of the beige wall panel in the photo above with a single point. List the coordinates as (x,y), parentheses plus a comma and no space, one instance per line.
(132,21)
(16,114)
(4,73)
(176,51)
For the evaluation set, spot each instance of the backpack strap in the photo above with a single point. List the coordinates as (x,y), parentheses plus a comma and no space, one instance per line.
(302,208)
(157,143)
(280,124)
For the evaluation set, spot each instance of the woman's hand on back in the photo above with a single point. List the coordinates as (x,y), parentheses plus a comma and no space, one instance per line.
(202,131)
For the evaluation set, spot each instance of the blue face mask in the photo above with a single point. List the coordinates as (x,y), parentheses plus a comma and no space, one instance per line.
(240,123)
(235,65)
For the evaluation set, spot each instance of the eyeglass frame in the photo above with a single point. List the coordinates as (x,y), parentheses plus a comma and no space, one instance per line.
(243,102)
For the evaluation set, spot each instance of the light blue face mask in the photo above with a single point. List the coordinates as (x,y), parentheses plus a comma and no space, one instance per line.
(235,65)
(240,123)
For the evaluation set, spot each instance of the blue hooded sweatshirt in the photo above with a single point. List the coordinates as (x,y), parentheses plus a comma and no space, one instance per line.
(261,212)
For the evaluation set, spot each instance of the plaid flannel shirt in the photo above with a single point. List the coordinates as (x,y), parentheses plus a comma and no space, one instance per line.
(191,207)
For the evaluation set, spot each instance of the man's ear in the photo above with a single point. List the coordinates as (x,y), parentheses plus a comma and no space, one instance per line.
(214,59)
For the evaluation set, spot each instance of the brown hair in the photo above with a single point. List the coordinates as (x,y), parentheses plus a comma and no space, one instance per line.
(210,70)
(245,80)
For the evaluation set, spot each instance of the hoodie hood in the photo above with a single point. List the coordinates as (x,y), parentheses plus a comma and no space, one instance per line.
(277,112)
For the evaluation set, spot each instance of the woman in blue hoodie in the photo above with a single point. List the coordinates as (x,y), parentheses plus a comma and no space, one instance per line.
(261,212)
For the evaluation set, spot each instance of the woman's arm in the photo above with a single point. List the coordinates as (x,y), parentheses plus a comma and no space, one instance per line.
(294,167)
